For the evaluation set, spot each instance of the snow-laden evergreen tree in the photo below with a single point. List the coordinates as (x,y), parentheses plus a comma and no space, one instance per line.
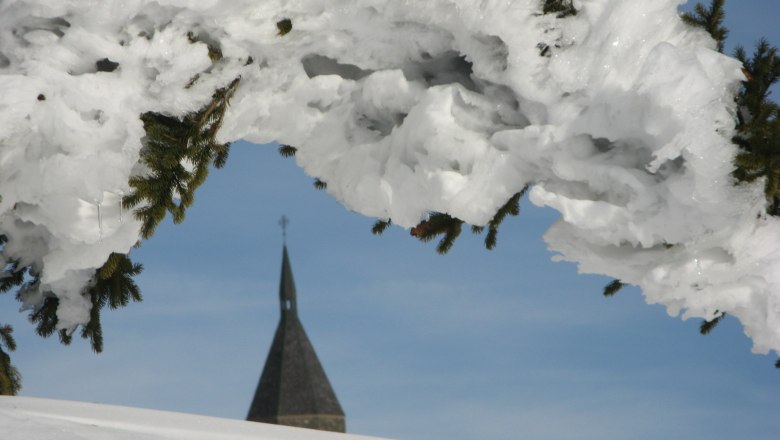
(434,119)
(178,154)
(10,379)
(758,127)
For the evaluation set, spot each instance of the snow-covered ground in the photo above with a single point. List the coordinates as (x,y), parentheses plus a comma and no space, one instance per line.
(619,117)
(25,418)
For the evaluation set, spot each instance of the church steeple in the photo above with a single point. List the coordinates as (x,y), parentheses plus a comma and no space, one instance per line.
(293,388)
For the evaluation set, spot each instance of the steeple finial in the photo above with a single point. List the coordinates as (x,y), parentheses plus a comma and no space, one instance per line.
(283,222)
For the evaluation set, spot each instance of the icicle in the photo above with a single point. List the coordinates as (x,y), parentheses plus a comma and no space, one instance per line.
(100,222)
(121,197)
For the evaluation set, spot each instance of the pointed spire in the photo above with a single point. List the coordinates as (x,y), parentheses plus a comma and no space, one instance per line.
(287,295)
(294,389)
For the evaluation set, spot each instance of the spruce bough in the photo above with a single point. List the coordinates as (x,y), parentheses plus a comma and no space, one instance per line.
(758,120)
(171,145)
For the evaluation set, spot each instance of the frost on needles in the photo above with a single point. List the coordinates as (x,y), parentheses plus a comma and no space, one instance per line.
(618,114)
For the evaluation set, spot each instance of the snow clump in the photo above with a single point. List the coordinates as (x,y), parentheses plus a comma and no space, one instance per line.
(620,117)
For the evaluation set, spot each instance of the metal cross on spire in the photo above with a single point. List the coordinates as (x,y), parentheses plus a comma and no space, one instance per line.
(283,222)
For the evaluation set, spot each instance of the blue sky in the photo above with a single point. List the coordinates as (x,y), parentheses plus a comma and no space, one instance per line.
(480,344)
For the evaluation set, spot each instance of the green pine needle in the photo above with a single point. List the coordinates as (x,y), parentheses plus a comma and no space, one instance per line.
(45,317)
(445,244)
(380,226)
(439,224)
(10,379)
(287,150)
(758,136)
(511,207)
(706,326)
(612,288)
(319,184)
(710,20)
(170,143)
(7,338)
(14,276)
(112,286)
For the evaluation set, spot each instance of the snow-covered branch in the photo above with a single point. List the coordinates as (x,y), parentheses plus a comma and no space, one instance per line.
(620,117)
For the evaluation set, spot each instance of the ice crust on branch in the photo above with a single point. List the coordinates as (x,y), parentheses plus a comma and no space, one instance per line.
(620,117)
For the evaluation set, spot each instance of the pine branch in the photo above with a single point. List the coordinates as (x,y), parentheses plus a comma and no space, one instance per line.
(7,338)
(711,20)
(319,184)
(113,287)
(445,244)
(380,226)
(706,326)
(170,143)
(439,224)
(612,288)
(45,319)
(10,379)
(758,136)
(13,276)
(93,330)
(117,288)
(762,71)
(287,150)
(511,207)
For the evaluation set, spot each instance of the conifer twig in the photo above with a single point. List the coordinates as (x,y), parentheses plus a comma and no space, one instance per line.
(706,326)
(171,144)
(319,184)
(511,207)
(287,150)
(612,288)
(380,226)
(709,19)
(10,379)
(439,224)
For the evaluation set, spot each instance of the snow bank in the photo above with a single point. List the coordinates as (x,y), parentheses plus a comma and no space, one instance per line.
(619,117)
(25,418)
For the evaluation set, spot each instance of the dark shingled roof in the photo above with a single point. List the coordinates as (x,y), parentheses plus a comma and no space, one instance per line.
(293,382)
